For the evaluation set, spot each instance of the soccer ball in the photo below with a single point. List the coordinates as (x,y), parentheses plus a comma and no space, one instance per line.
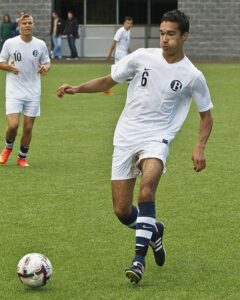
(34,270)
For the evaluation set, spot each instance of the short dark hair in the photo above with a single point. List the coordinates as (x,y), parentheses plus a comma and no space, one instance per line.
(127,18)
(178,17)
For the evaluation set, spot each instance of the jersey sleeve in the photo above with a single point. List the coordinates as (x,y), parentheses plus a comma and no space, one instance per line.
(117,35)
(201,95)
(125,67)
(4,56)
(45,56)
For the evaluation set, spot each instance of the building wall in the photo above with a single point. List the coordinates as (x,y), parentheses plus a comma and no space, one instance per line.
(214,29)
(214,32)
(39,9)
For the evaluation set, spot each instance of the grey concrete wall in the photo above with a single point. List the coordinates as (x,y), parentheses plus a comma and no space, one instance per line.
(214,32)
(215,28)
(39,9)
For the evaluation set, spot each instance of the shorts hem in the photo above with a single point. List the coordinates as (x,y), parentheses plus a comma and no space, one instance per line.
(31,116)
(151,156)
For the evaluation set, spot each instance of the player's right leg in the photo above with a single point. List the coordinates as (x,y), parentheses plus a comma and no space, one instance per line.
(11,132)
(123,182)
(122,195)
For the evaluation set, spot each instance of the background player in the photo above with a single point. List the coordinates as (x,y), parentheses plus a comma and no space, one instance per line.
(158,101)
(121,40)
(24,58)
(120,44)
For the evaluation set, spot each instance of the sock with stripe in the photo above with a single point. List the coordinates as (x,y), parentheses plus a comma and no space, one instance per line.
(9,143)
(145,227)
(131,220)
(23,152)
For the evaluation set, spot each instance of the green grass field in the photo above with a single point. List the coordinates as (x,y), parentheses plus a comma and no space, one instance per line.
(61,205)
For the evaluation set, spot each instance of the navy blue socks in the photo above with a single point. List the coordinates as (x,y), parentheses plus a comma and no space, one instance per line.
(145,227)
(23,152)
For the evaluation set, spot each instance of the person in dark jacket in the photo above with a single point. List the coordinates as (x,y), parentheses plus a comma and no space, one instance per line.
(71,30)
(5,30)
(16,29)
(57,28)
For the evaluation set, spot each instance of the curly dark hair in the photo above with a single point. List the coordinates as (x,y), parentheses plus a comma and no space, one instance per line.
(178,17)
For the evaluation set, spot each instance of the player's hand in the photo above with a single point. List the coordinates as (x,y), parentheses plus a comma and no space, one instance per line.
(65,89)
(42,69)
(109,57)
(14,70)
(198,158)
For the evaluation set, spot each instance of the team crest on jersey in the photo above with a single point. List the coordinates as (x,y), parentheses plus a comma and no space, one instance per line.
(176,85)
(35,53)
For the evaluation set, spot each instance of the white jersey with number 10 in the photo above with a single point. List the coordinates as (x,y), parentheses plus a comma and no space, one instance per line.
(26,57)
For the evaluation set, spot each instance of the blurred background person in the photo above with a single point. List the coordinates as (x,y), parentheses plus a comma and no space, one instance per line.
(16,30)
(71,30)
(57,28)
(121,40)
(5,30)
(120,45)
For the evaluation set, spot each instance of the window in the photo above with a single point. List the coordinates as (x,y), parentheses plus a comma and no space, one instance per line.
(104,11)
(137,9)
(159,7)
(76,6)
(101,12)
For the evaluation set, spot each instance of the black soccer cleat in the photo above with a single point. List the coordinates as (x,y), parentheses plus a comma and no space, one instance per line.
(157,246)
(135,272)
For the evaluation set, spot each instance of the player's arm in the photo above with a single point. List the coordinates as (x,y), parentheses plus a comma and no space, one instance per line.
(100,84)
(44,68)
(6,63)
(9,67)
(205,127)
(112,48)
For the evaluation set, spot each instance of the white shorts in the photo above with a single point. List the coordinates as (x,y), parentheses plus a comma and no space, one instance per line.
(126,161)
(28,108)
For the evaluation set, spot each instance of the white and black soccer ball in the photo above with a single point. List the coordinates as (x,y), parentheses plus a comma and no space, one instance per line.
(34,270)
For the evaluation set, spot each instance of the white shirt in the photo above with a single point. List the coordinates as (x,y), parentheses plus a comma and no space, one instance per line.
(158,97)
(122,37)
(26,57)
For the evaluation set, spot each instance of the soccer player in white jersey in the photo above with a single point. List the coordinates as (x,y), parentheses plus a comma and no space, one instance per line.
(120,44)
(121,40)
(158,101)
(25,58)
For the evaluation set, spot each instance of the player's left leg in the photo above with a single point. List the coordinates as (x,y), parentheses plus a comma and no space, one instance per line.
(152,169)
(25,140)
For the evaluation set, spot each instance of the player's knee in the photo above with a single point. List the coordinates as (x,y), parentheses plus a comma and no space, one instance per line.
(27,130)
(13,126)
(146,193)
(121,212)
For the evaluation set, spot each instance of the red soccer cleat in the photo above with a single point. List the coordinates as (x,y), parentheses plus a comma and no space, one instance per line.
(5,155)
(22,162)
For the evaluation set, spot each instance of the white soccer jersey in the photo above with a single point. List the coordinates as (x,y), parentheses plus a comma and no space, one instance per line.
(26,58)
(122,37)
(158,97)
